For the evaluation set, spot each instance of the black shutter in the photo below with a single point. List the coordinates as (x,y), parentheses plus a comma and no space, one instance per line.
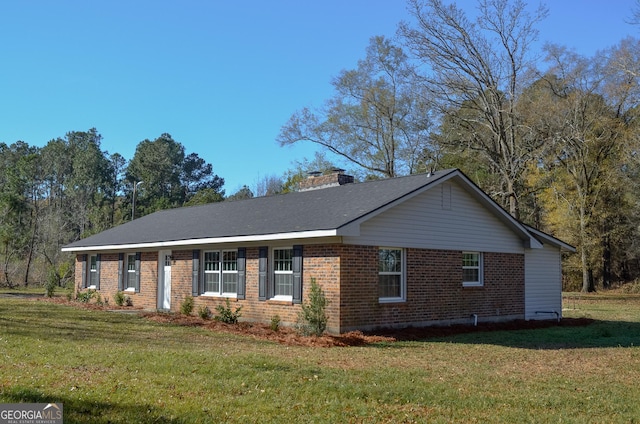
(120,271)
(137,285)
(83,258)
(195,273)
(242,275)
(297,274)
(98,271)
(262,273)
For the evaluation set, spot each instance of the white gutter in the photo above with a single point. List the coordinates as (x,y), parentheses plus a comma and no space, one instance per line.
(212,240)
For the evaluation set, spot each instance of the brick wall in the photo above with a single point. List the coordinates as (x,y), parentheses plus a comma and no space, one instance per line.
(434,289)
(145,299)
(181,273)
(348,274)
(319,262)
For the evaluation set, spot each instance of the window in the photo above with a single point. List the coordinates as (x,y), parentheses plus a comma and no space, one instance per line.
(220,272)
(130,283)
(472,269)
(283,272)
(93,271)
(281,278)
(391,275)
(211,272)
(229,271)
(128,271)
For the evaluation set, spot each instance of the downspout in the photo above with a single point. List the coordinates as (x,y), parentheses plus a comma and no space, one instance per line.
(475,319)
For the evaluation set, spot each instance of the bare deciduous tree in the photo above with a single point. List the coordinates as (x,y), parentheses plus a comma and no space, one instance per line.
(375,121)
(480,67)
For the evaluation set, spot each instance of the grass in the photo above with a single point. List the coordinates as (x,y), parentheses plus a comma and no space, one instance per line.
(108,367)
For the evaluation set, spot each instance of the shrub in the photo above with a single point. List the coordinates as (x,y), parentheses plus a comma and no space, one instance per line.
(119,298)
(49,288)
(226,315)
(85,297)
(312,319)
(128,301)
(187,305)
(204,312)
(53,280)
(632,287)
(275,323)
(99,301)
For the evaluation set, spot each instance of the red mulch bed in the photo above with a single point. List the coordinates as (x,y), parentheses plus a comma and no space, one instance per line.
(289,336)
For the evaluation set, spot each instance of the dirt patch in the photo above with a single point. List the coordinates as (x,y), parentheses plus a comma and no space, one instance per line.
(289,336)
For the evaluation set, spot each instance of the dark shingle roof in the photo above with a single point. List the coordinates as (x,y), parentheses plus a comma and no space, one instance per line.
(315,210)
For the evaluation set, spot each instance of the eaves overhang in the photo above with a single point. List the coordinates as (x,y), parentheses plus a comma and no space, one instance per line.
(546,238)
(204,241)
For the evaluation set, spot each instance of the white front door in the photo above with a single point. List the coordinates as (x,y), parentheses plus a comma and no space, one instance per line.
(164,279)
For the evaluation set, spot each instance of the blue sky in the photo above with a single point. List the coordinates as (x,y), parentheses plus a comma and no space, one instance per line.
(221,77)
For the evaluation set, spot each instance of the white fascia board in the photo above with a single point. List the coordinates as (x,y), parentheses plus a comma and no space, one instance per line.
(552,240)
(205,241)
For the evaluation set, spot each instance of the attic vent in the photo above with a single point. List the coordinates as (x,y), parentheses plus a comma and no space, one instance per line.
(316,180)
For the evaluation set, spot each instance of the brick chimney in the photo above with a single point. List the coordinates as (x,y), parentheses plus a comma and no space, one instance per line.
(316,180)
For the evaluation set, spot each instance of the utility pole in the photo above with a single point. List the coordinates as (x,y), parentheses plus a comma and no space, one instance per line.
(133,203)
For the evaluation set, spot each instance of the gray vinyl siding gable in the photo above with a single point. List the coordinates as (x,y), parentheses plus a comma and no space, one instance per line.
(443,217)
(543,282)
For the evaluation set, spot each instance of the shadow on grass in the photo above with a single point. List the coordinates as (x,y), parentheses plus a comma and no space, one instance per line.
(39,320)
(77,410)
(569,333)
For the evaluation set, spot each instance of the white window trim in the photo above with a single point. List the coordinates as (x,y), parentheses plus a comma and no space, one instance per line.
(281,297)
(130,272)
(403,276)
(223,295)
(205,272)
(92,271)
(220,272)
(480,268)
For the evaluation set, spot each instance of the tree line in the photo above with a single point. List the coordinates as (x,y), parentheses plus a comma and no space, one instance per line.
(71,188)
(551,135)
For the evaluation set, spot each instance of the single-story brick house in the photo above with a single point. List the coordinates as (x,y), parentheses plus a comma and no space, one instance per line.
(427,249)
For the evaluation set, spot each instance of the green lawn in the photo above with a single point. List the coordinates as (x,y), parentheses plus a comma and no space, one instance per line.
(108,367)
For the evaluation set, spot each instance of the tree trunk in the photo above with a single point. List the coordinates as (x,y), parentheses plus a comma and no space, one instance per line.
(606,262)
(32,244)
(592,285)
(586,284)
(587,272)
(5,266)
(514,208)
